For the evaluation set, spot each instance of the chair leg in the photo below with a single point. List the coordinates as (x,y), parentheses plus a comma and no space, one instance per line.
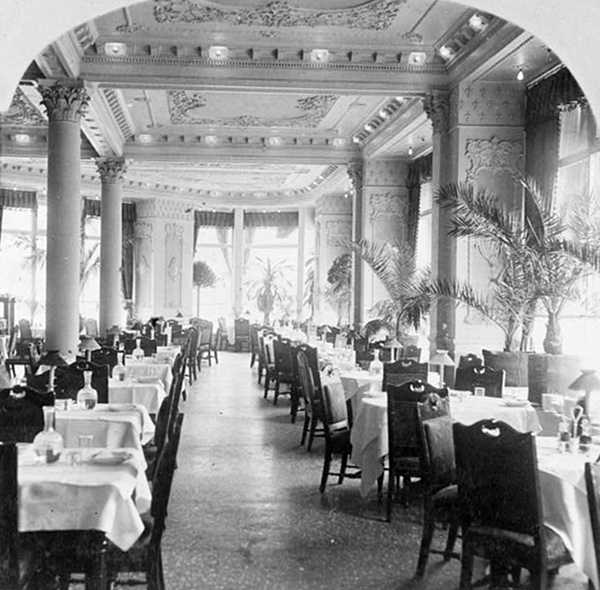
(325,474)
(466,569)
(343,468)
(452,535)
(390,495)
(311,434)
(305,428)
(428,527)
(252,359)
(276,391)
(267,381)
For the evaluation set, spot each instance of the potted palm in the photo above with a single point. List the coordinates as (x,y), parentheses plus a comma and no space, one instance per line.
(339,286)
(269,285)
(203,277)
(532,267)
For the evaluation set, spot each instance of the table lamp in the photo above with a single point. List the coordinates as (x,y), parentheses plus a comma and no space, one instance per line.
(443,359)
(50,360)
(393,344)
(115,332)
(589,383)
(87,344)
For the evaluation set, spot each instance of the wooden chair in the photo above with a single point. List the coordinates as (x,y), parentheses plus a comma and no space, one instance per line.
(19,354)
(145,556)
(500,505)
(592,485)
(254,345)
(438,475)
(205,349)
(69,380)
(107,355)
(468,378)
(469,360)
(296,392)
(222,334)
(337,432)
(189,354)
(313,398)
(241,330)
(403,371)
(19,562)
(21,413)
(411,352)
(284,369)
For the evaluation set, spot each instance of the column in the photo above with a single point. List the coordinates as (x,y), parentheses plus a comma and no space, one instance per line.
(302,213)
(355,173)
(333,217)
(238,260)
(64,106)
(111,225)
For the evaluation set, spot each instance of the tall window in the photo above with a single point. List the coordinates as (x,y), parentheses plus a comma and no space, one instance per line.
(89,276)
(214,246)
(424,243)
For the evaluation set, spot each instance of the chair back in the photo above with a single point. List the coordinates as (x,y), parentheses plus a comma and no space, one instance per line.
(241,328)
(162,482)
(90,326)
(205,330)
(411,352)
(69,380)
(468,378)
(25,333)
(107,355)
(403,371)
(9,516)
(254,344)
(592,485)
(469,360)
(282,351)
(436,442)
(191,343)
(312,394)
(335,409)
(498,484)
(21,413)
(312,357)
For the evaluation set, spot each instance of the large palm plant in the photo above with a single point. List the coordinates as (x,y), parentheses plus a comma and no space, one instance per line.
(269,285)
(394,264)
(530,265)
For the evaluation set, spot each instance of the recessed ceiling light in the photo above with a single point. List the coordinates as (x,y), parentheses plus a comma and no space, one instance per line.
(145,138)
(445,52)
(319,55)
(339,141)
(211,139)
(115,49)
(218,52)
(22,138)
(477,23)
(417,58)
(274,141)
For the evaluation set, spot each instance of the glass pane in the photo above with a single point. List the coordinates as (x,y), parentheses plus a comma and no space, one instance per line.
(426,198)
(573,131)
(572,181)
(212,303)
(424,241)
(214,235)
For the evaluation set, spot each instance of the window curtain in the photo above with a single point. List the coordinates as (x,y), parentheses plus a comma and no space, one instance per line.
(545,101)
(282,219)
(16,199)
(419,172)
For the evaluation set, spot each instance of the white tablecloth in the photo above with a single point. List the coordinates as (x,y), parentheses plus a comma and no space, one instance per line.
(149,395)
(369,435)
(61,496)
(167,354)
(564,501)
(112,425)
(149,368)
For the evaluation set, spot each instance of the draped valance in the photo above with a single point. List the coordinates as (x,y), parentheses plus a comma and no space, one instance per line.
(18,199)
(419,170)
(271,219)
(213,219)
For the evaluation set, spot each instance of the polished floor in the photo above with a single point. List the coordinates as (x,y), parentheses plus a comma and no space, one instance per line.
(246,512)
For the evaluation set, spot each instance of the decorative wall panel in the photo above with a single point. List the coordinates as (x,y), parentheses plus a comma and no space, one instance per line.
(173,264)
(338,232)
(491,103)
(388,205)
(492,157)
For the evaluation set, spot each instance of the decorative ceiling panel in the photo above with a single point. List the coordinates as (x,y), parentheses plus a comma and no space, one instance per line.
(22,113)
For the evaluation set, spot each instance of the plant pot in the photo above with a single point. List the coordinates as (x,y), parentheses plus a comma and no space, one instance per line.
(515,365)
(551,373)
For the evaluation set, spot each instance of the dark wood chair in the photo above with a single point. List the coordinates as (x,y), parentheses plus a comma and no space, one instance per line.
(469,360)
(107,355)
(20,353)
(592,485)
(241,330)
(190,348)
(438,476)
(20,562)
(468,378)
(500,506)
(411,352)
(312,395)
(69,380)
(205,350)
(403,371)
(284,369)
(337,433)
(254,344)
(145,556)
(21,413)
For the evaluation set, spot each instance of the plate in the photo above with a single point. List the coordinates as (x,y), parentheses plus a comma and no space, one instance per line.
(111,457)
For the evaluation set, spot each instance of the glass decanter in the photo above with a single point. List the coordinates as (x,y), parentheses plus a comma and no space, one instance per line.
(87,396)
(138,353)
(48,444)
(376,366)
(119,372)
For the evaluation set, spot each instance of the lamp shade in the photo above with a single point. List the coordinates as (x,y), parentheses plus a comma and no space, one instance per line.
(587,381)
(88,343)
(392,342)
(52,358)
(114,330)
(441,357)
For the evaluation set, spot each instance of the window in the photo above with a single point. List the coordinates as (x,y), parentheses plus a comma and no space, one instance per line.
(424,237)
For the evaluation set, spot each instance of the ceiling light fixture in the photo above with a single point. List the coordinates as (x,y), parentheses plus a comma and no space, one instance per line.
(211,139)
(410,150)
(218,52)
(477,23)
(115,49)
(145,138)
(22,138)
(319,55)
(445,52)
(520,75)
(339,141)
(356,139)
(417,58)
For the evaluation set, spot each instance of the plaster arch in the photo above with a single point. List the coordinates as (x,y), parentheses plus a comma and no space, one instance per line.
(28,26)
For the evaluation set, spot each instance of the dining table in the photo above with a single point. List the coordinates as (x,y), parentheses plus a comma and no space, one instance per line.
(149,369)
(111,425)
(131,391)
(369,434)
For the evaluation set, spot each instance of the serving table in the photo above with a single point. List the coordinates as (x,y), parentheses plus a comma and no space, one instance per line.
(369,435)
(85,495)
(111,425)
(149,395)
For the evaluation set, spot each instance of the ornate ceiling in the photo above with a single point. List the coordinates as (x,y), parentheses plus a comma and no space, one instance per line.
(257,103)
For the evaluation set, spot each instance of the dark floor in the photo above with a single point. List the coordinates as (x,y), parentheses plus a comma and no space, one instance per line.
(246,512)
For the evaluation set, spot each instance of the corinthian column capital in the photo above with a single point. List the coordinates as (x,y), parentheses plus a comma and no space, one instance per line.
(111,170)
(437,108)
(64,103)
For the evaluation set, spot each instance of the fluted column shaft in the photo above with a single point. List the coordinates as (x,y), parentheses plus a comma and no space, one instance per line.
(64,106)
(111,224)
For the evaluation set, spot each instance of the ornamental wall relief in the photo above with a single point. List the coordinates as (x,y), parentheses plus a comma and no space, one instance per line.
(338,232)
(493,157)
(387,205)
(144,236)
(173,264)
